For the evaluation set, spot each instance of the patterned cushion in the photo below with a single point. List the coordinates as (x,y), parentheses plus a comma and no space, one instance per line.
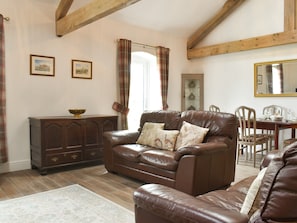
(153,135)
(165,139)
(190,135)
(148,133)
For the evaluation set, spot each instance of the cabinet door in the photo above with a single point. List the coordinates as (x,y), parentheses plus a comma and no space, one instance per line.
(192,92)
(73,135)
(53,136)
(93,133)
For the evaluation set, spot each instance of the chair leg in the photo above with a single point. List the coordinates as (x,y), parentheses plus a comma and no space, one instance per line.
(238,152)
(255,149)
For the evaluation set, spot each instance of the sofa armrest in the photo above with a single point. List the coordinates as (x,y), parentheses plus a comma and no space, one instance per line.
(120,137)
(200,149)
(268,158)
(168,204)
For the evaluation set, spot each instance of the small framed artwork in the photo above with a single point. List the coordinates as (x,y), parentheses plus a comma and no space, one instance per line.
(259,79)
(82,69)
(42,65)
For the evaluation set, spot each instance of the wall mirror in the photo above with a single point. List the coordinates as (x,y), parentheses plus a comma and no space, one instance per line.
(275,79)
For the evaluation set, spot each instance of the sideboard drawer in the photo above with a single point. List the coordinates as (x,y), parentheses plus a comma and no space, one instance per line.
(61,158)
(92,154)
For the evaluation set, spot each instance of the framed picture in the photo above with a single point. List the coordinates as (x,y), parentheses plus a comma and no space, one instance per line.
(82,69)
(42,65)
(259,79)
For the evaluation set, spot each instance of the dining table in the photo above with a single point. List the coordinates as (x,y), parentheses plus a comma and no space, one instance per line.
(276,126)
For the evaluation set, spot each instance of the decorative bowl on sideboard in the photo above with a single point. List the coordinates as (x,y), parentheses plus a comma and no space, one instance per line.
(77,112)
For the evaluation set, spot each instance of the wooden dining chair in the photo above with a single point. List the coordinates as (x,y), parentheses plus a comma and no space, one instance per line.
(214,108)
(273,110)
(248,138)
(268,111)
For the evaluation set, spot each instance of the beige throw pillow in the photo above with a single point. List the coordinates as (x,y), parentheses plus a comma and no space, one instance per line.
(252,193)
(148,133)
(190,135)
(165,139)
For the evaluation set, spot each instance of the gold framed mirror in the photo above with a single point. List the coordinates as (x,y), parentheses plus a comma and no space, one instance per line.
(275,79)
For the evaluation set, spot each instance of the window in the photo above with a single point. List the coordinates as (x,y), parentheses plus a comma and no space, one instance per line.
(145,92)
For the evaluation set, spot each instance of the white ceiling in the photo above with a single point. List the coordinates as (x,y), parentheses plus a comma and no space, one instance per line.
(177,17)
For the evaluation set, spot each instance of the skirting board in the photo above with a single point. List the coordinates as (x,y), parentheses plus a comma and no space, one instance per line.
(15,166)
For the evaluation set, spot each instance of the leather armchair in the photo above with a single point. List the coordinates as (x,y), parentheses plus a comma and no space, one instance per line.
(276,200)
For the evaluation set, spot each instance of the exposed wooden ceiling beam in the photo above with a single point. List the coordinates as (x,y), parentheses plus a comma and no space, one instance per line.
(276,39)
(290,20)
(289,36)
(89,13)
(210,25)
(63,8)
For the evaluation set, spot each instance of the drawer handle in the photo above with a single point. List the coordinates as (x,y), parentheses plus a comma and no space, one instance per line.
(55,159)
(93,153)
(74,156)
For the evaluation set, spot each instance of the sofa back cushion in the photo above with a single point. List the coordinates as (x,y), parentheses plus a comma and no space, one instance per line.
(218,123)
(279,188)
(170,118)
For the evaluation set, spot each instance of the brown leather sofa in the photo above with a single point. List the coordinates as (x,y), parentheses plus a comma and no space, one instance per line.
(193,169)
(276,200)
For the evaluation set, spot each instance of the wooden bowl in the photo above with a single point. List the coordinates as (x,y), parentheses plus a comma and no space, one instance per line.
(77,112)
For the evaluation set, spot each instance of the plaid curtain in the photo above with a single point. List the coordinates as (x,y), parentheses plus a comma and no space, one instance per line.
(3,143)
(124,62)
(163,64)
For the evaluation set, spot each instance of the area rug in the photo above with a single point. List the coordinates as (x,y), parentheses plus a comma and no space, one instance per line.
(71,204)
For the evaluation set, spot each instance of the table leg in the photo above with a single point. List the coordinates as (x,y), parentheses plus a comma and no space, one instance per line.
(276,133)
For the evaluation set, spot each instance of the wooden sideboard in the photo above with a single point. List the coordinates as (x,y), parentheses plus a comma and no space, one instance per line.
(59,141)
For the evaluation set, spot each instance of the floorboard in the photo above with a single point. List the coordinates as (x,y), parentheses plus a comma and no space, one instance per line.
(116,188)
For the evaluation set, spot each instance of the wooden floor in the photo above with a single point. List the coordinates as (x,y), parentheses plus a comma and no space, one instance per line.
(114,187)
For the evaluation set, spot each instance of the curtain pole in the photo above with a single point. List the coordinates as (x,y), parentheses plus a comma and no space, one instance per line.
(6,18)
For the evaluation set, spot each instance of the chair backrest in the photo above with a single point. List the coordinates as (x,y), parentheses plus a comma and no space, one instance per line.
(247,122)
(214,108)
(273,110)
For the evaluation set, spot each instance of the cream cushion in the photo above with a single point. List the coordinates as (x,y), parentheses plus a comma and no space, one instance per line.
(148,133)
(252,193)
(190,135)
(165,139)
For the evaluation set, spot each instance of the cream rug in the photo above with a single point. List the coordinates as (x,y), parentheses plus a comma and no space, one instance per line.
(71,204)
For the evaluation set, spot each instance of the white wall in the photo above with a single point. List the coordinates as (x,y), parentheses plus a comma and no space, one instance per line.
(31,30)
(229,78)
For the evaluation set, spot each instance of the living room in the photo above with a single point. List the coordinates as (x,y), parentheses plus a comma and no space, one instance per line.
(228,78)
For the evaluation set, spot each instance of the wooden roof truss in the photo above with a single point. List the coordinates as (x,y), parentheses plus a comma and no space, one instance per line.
(97,9)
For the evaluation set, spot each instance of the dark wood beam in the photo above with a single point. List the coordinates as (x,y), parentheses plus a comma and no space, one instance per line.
(89,13)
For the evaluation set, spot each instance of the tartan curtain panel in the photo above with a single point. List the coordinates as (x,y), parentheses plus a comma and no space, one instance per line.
(124,62)
(3,142)
(163,64)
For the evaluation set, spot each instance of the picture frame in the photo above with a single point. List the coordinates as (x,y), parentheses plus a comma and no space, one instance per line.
(42,65)
(81,69)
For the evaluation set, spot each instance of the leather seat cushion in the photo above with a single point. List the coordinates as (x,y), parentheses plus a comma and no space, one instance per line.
(231,198)
(162,159)
(130,152)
